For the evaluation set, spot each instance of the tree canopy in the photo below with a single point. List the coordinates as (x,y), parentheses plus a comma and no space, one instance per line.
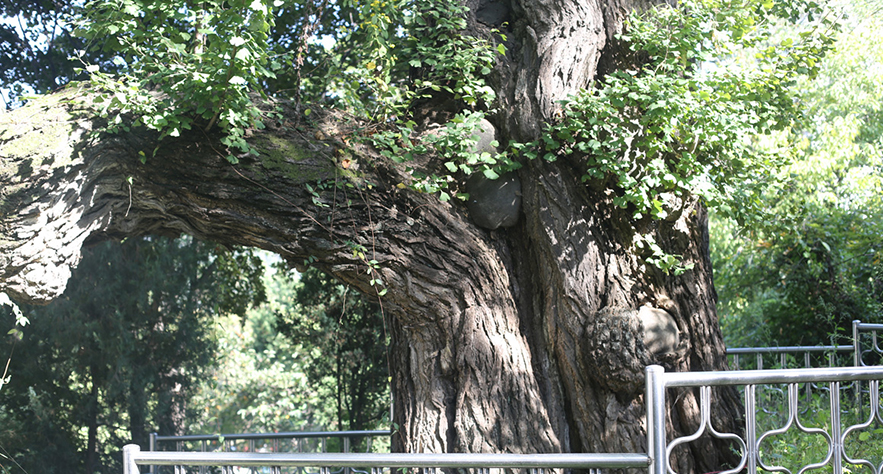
(811,264)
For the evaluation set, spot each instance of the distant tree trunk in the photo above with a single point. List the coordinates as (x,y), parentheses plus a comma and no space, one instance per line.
(521,339)
(138,413)
(172,408)
(92,411)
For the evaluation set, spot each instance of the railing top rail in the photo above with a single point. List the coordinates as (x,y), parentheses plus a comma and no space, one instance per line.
(277,435)
(770,376)
(870,326)
(392,460)
(781,349)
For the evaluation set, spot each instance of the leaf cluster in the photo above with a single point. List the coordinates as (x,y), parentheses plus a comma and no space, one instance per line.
(455,144)
(683,121)
(182,64)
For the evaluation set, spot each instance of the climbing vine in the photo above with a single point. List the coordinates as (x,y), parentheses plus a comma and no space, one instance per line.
(711,76)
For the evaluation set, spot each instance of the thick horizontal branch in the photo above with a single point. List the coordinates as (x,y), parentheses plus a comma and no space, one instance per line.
(307,195)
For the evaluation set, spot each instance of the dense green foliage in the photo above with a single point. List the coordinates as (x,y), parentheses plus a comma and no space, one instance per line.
(348,359)
(118,354)
(205,62)
(208,58)
(681,122)
(167,335)
(326,370)
(666,127)
(678,122)
(813,262)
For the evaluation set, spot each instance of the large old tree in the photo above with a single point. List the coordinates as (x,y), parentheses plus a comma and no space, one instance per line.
(514,329)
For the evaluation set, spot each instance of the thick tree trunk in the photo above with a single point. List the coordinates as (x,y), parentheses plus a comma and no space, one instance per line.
(515,340)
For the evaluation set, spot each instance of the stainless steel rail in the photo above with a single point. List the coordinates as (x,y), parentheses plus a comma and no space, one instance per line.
(857,328)
(133,457)
(276,435)
(858,349)
(300,442)
(835,434)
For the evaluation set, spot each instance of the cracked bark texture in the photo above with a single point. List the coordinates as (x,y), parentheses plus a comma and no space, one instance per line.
(514,340)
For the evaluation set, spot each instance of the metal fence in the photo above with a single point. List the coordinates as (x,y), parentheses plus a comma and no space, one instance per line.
(839,432)
(864,351)
(834,413)
(843,437)
(285,441)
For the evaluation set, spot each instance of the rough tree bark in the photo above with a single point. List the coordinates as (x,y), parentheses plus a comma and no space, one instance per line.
(521,339)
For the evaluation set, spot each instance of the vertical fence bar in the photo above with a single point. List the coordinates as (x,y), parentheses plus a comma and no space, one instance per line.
(836,426)
(129,465)
(152,446)
(655,405)
(204,446)
(751,427)
(856,345)
(857,362)
(251,448)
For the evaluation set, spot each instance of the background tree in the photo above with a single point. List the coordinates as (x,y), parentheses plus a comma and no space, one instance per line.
(328,373)
(349,348)
(512,313)
(812,264)
(35,44)
(117,355)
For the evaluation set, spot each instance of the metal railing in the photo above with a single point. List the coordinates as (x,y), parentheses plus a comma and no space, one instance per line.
(277,442)
(836,433)
(284,441)
(860,329)
(865,343)
(376,463)
(778,389)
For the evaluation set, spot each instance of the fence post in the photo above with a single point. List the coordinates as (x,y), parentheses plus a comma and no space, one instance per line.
(129,465)
(655,404)
(152,446)
(856,344)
